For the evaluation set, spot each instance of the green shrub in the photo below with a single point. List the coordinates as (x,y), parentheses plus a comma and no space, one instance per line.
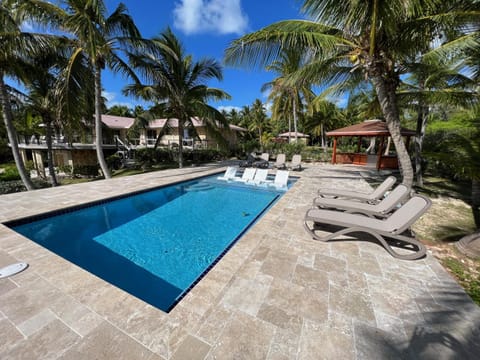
(86,170)
(10,173)
(114,162)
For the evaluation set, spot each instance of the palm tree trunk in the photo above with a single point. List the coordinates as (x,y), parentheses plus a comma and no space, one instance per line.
(180,143)
(295,119)
(419,136)
(12,136)
(98,124)
(48,138)
(476,202)
(387,99)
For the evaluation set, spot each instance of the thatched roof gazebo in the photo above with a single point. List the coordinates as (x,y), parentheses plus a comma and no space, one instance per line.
(370,129)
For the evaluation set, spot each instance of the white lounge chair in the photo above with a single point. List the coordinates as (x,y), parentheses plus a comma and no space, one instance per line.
(260,177)
(248,174)
(281,180)
(280,162)
(296,163)
(229,173)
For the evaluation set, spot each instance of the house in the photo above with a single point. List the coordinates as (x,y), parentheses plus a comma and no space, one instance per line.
(118,136)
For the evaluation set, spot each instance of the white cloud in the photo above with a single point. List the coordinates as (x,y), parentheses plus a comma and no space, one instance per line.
(229,108)
(200,16)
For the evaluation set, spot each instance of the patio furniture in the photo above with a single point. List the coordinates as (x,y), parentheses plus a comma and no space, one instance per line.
(296,163)
(281,180)
(248,174)
(229,173)
(249,162)
(263,161)
(280,162)
(373,196)
(395,227)
(381,209)
(260,177)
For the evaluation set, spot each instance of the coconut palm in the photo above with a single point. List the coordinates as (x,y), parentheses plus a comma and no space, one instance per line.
(17,47)
(100,38)
(176,84)
(288,97)
(348,41)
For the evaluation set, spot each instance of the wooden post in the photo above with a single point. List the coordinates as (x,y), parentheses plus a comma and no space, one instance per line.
(359,144)
(334,153)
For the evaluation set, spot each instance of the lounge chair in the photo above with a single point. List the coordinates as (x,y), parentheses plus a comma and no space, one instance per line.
(373,196)
(280,162)
(229,173)
(260,177)
(249,162)
(248,174)
(263,162)
(281,180)
(381,209)
(394,227)
(296,163)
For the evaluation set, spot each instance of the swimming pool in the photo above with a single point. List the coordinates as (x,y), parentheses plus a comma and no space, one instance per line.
(155,245)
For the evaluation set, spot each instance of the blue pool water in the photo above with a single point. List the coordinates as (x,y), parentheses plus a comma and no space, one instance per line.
(154,245)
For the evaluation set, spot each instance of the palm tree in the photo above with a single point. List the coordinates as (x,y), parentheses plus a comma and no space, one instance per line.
(99,37)
(288,97)
(17,47)
(258,120)
(348,41)
(175,83)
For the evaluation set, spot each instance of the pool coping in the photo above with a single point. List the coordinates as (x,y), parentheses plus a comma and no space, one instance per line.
(241,293)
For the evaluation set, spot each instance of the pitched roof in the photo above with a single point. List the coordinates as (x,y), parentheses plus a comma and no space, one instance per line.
(117,122)
(367,128)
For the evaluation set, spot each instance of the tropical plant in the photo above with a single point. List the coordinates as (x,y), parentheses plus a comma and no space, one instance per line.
(99,38)
(175,83)
(349,41)
(288,98)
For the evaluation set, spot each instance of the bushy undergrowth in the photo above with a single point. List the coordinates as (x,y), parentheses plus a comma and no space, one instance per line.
(470,283)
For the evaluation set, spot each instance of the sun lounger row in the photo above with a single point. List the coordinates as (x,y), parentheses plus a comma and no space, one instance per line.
(280,163)
(385,216)
(256,176)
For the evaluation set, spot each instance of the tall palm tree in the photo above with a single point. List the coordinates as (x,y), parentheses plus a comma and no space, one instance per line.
(258,120)
(176,84)
(288,97)
(16,49)
(100,38)
(349,41)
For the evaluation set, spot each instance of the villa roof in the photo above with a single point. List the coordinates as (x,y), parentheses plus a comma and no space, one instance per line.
(292,134)
(117,122)
(368,128)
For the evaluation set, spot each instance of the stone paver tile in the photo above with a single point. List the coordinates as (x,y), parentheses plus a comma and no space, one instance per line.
(330,264)
(284,344)
(345,249)
(247,295)
(191,348)
(260,253)
(48,343)
(310,278)
(373,343)
(107,342)
(368,265)
(351,303)
(249,269)
(6,285)
(36,322)
(314,305)
(279,264)
(212,326)
(332,340)
(280,317)
(391,324)
(244,337)
(10,336)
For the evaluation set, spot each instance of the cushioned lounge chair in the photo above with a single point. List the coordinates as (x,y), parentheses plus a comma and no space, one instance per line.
(296,163)
(263,162)
(281,180)
(395,227)
(381,209)
(373,196)
(280,162)
(229,173)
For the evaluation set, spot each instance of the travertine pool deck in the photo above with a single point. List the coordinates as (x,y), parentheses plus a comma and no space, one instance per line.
(277,294)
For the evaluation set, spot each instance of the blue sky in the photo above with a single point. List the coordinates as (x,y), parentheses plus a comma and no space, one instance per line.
(206,28)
